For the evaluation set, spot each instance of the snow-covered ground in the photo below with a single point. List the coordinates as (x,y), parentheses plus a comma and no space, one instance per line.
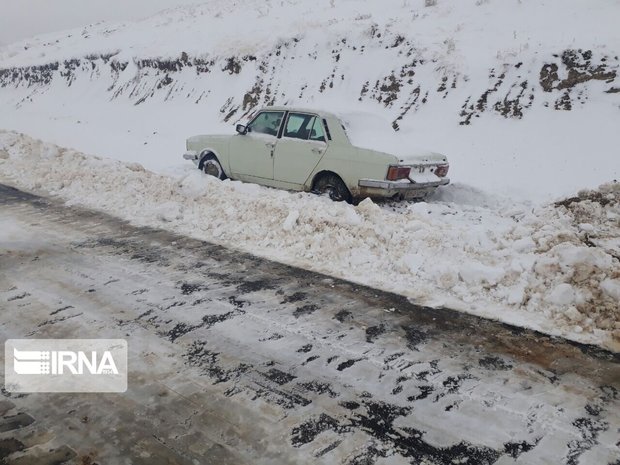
(551,268)
(522,96)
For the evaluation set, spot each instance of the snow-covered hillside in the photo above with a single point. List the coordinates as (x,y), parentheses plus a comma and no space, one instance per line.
(523,96)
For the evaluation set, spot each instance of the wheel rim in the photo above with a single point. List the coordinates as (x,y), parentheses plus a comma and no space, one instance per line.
(212,169)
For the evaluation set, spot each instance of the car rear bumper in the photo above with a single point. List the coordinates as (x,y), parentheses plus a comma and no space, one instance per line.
(401,189)
(400,185)
(191,155)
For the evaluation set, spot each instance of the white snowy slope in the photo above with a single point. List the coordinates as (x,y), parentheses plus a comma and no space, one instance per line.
(551,268)
(522,96)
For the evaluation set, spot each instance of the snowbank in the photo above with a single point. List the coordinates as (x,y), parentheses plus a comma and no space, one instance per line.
(536,267)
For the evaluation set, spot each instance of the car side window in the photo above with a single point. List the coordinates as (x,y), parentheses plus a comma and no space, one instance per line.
(317,133)
(266,122)
(299,126)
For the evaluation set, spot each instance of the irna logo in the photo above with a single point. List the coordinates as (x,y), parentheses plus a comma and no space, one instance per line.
(65,365)
(58,362)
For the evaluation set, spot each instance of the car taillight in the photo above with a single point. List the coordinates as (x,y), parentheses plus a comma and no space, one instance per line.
(442,170)
(398,172)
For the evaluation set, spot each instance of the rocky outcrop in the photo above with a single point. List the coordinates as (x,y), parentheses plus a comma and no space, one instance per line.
(281,75)
(575,68)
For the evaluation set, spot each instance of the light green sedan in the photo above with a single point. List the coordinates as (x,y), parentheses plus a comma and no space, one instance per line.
(308,150)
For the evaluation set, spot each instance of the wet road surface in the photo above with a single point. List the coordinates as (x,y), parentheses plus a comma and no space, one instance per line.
(237,360)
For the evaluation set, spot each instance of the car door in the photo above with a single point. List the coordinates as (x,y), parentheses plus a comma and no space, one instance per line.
(301,147)
(252,154)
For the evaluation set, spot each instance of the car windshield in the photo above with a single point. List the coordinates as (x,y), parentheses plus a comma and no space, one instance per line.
(267,122)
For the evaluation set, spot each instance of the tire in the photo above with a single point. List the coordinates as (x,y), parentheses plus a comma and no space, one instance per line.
(211,166)
(334,187)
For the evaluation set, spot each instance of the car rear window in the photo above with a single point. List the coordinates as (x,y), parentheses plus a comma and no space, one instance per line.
(304,126)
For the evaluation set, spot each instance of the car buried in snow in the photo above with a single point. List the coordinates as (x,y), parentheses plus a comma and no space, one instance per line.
(308,150)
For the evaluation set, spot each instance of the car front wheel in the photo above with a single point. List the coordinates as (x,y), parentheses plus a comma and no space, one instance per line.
(332,186)
(211,166)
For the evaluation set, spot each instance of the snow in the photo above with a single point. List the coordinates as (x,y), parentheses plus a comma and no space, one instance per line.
(460,25)
(480,274)
(522,264)
(562,294)
(611,287)
(134,116)
(491,243)
(291,220)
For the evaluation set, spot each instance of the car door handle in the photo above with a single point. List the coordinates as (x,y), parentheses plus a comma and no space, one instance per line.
(270,144)
(317,150)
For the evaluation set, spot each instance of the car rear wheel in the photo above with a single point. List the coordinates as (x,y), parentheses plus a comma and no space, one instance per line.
(332,186)
(212,167)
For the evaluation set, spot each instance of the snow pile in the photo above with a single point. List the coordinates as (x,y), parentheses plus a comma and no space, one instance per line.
(538,267)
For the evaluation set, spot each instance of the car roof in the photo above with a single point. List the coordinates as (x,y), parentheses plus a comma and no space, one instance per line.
(321,113)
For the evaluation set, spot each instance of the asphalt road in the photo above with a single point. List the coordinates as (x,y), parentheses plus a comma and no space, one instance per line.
(238,360)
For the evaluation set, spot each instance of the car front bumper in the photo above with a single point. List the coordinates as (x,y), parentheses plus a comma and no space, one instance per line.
(402,188)
(191,155)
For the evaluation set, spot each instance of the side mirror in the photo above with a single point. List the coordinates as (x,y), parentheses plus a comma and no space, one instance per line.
(241,129)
